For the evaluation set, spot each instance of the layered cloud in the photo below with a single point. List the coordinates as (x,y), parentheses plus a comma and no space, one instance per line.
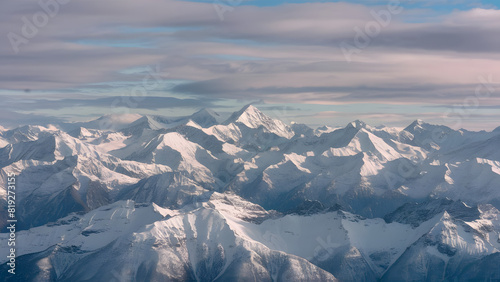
(288,53)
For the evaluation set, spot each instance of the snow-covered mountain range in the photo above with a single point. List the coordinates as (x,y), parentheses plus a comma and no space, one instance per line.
(250,198)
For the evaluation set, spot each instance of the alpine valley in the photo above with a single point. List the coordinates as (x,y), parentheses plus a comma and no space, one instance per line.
(250,198)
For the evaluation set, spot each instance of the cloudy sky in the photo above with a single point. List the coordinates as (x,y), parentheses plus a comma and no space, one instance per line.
(315,62)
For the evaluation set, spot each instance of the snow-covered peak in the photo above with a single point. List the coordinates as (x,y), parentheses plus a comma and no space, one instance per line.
(302,129)
(249,116)
(324,129)
(28,133)
(416,123)
(421,126)
(84,133)
(106,122)
(358,124)
(419,121)
(217,200)
(252,117)
(143,123)
(206,117)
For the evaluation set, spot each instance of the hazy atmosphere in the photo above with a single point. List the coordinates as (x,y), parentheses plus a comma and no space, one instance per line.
(249,140)
(313,62)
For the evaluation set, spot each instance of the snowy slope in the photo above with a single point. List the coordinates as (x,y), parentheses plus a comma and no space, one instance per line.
(199,244)
(450,246)
(224,236)
(251,117)
(207,199)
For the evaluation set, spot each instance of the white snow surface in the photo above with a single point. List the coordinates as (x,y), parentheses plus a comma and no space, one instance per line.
(199,193)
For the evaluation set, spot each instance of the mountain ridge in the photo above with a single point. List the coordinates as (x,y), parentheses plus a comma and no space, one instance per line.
(216,198)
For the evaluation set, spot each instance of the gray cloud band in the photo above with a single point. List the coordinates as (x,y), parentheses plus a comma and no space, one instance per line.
(31,26)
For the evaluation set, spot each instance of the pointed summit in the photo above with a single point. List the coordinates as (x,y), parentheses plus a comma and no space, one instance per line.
(249,116)
(418,123)
(446,216)
(358,124)
(252,117)
(206,111)
(422,126)
(205,117)
(145,122)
